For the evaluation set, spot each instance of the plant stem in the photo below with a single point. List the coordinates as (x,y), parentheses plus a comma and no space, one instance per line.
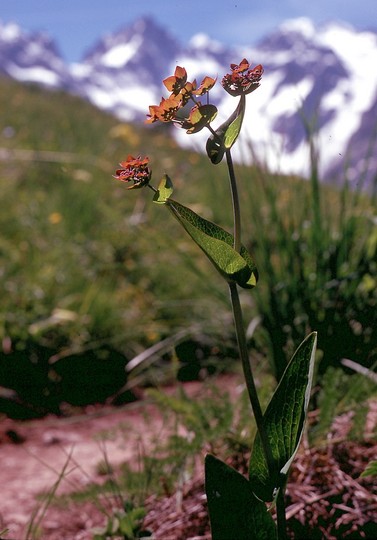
(238,322)
(280,513)
(248,374)
(235,201)
(244,354)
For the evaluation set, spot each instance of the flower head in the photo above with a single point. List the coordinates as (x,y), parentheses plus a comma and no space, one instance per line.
(134,170)
(242,79)
(182,91)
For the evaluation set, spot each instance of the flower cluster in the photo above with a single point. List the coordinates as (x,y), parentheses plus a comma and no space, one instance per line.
(242,80)
(182,91)
(134,170)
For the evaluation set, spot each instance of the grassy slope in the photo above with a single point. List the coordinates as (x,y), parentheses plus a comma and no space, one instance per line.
(88,268)
(86,265)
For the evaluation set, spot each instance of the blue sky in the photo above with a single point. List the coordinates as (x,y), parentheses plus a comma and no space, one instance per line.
(77,24)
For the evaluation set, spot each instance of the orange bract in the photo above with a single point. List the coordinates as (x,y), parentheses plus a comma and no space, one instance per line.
(182,91)
(166,111)
(176,82)
(205,86)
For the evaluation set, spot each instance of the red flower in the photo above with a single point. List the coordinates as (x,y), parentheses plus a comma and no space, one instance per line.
(242,66)
(135,170)
(242,80)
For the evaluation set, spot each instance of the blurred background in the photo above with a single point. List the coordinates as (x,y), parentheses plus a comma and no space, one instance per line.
(101,291)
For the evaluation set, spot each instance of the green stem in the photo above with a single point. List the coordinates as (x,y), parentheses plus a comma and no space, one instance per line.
(235,201)
(281,517)
(240,329)
(248,374)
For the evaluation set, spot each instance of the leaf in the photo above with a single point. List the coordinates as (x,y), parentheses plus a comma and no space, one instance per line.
(371,469)
(165,189)
(226,135)
(215,148)
(199,118)
(125,526)
(217,244)
(234,128)
(235,513)
(284,421)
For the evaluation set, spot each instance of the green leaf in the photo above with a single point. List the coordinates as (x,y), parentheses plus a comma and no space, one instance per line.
(217,244)
(234,128)
(200,118)
(215,148)
(226,135)
(126,526)
(165,189)
(370,470)
(284,421)
(235,513)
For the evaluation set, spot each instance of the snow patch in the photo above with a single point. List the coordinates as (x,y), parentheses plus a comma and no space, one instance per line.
(200,65)
(9,32)
(301,25)
(35,74)
(81,70)
(203,41)
(119,55)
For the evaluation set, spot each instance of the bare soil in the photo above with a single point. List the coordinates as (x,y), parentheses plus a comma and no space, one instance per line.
(326,497)
(34,454)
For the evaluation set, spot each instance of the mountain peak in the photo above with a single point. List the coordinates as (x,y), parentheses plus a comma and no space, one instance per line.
(31,57)
(143,30)
(299,25)
(147,26)
(316,78)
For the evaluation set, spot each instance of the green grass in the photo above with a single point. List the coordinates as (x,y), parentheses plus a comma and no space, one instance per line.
(85,267)
(91,275)
(319,258)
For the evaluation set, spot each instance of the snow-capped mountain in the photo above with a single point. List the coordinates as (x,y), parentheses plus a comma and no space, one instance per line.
(321,77)
(32,58)
(317,80)
(123,71)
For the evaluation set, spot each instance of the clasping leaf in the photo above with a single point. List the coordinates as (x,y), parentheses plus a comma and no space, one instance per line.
(284,422)
(165,189)
(235,513)
(217,244)
(226,135)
